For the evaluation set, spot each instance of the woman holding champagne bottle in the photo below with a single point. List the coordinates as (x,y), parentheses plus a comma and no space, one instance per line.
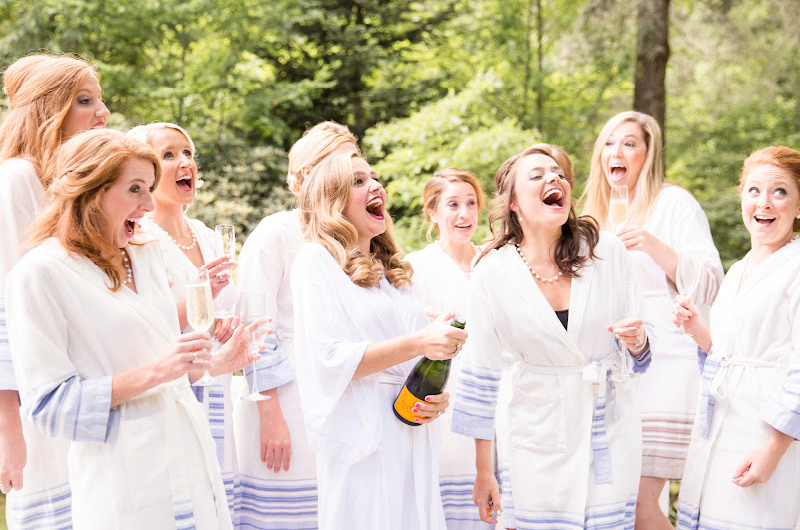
(50,99)
(97,345)
(359,329)
(277,466)
(559,296)
(670,244)
(189,245)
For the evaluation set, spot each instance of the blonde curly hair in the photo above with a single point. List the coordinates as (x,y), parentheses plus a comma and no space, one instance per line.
(322,201)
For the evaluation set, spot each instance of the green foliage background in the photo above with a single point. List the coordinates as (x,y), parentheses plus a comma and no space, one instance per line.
(427,85)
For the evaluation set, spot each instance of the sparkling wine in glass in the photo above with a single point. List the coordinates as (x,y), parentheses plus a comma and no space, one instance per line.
(253,307)
(618,207)
(227,239)
(199,309)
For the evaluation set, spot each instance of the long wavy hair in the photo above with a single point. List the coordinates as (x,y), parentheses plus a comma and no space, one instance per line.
(777,156)
(316,143)
(40,90)
(322,201)
(597,196)
(579,235)
(84,169)
(437,184)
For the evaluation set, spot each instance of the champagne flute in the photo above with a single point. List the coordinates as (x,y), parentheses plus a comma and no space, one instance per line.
(688,291)
(618,207)
(253,307)
(227,237)
(626,374)
(199,309)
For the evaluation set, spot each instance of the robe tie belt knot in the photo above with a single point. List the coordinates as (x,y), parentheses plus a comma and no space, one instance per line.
(173,394)
(718,379)
(598,373)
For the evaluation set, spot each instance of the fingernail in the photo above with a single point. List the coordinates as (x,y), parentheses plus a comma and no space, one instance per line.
(427,398)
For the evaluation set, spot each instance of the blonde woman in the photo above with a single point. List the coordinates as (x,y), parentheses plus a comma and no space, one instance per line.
(277,466)
(187,245)
(98,351)
(669,241)
(359,330)
(559,296)
(50,98)
(452,201)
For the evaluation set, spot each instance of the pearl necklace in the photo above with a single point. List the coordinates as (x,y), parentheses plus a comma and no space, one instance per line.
(535,274)
(748,271)
(182,247)
(127,265)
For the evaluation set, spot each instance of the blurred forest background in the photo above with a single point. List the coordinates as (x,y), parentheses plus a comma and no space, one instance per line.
(428,84)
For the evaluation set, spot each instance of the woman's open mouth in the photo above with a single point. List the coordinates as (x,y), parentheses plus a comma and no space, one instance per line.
(185,183)
(554,197)
(375,207)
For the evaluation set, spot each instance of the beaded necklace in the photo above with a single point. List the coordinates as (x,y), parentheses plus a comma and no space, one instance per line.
(128,269)
(535,274)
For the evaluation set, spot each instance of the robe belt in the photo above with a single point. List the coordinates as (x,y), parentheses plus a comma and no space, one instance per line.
(174,393)
(716,384)
(598,373)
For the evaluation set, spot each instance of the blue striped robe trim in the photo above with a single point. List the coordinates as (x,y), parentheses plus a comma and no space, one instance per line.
(476,399)
(459,511)
(76,409)
(278,504)
(49,509)
(689,519)
(8,380)
(783,410)
(707,401)
(506,498)
(273,369)
(611,516)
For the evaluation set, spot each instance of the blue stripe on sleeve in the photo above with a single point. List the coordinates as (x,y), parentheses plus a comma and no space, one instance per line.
(476,399)
(8,380)
(783,411)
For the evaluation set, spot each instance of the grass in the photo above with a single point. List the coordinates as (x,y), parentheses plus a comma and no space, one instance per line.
(3,512)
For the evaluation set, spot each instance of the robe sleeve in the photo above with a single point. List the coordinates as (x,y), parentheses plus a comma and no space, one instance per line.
(699,271)
(20,199)
(479,379)
(782,411)
(341,413)
(262,266)
(53,395)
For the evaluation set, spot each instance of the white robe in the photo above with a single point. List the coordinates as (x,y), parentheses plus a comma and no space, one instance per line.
(288,499)
(44,500)
(668,390)
(751,384)
(575,436)
(216,398)
(373,470)
(443,286)
(148,463)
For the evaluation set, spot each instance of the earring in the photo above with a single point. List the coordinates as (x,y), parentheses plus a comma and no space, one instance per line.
(797,216)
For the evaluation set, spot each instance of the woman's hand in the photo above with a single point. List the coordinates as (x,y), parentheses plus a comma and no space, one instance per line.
(687,314)
(223,329)
(190,351)
(630,332)
(219,273)
(13,453)
(430,409)
(235,353)
(439,340)
(635,237)
(758,466)
(276,443)
(486,494)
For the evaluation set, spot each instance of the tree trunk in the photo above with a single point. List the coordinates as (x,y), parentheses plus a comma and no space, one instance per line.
(652,53)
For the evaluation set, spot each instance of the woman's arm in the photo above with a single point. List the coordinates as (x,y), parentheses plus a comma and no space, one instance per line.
(486,491)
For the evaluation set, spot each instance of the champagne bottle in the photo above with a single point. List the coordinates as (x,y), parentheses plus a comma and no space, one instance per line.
(426,379)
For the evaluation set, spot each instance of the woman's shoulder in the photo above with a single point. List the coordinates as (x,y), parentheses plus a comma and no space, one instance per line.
(674,195)
(199,227)
(609,244)
(278,227)
(493,260)
(423,255)
(45,255)
(16,172)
